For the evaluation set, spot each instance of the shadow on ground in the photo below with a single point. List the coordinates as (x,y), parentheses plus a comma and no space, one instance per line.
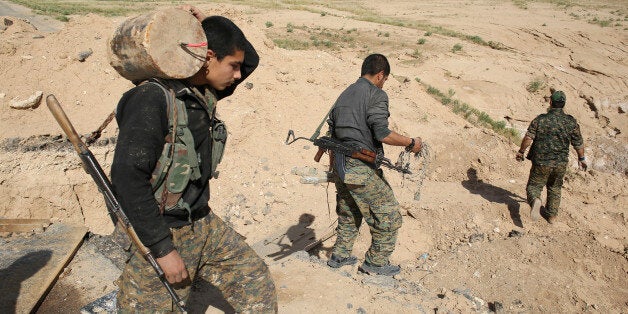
(495,194)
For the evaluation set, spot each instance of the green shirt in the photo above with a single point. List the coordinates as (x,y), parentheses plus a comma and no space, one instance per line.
(552,132)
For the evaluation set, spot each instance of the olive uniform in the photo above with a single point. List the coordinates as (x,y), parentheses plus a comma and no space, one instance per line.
(552,133)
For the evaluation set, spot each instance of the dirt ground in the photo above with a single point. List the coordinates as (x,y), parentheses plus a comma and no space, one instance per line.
(466,245)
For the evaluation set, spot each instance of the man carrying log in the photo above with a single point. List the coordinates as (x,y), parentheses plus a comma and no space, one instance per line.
(163,161)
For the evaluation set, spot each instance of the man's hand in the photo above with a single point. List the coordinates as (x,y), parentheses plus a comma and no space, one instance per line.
(583,165)
(418,145)
(198,14)
(173,267)
(519,156)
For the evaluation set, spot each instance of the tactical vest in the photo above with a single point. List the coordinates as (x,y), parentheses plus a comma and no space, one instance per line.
(179,161)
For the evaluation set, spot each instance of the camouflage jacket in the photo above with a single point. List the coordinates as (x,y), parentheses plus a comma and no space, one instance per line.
(552,132)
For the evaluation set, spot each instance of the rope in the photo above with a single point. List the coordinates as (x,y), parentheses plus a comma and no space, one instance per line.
(194,45)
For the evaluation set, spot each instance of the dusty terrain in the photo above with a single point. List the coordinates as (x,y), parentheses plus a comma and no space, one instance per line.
(466,245)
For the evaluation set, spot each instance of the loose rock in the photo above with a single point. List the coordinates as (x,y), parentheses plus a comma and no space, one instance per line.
(31,103)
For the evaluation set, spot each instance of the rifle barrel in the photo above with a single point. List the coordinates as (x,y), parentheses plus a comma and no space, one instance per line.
(92,167)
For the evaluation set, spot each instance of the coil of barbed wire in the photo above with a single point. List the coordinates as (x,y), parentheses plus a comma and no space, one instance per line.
(418,164)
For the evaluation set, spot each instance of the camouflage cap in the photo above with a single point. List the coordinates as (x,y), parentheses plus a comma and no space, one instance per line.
(558,96)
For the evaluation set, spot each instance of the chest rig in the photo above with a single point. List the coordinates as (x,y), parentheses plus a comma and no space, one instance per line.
(179,162)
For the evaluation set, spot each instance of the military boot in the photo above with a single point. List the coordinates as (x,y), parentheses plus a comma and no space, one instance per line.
(335,261)
(386,270)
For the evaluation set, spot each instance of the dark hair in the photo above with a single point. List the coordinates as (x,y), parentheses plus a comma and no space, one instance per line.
(223,36)
(374,64)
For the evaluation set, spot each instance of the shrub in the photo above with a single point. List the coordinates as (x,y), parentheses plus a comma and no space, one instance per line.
(535,85)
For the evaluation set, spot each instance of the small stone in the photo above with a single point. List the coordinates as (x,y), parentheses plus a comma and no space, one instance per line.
(6,23)
(83,55)
(514,234)
(476,237)
(30,103)
(248,85)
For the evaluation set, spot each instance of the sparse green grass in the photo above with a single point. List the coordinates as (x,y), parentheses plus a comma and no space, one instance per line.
(60,9)
(471,114)
(416,53)
(362,13)
(421,41)
(63,8)
(523,4)
(269,24)
(535,85)
(291,44)
(602,23)
(317,37)
(456,48)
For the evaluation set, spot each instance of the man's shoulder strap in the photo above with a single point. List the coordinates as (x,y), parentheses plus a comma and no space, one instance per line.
(175,107)
(168,91)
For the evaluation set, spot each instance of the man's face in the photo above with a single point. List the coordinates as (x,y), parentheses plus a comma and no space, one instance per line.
(221,74)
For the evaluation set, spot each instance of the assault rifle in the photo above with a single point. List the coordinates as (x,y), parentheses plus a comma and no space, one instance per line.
(91,166)
(325,143)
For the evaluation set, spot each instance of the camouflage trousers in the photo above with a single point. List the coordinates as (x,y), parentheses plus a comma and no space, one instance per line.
(550,177)
(213,251)
(366,195)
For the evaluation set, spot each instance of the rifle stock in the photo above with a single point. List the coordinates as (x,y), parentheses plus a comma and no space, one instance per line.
(91,166)
(365,155)
(319,154)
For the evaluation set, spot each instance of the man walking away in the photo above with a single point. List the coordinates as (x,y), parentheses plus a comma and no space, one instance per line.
(550,135)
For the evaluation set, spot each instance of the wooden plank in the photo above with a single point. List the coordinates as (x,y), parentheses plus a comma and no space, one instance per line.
(23,225)
(30,265)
